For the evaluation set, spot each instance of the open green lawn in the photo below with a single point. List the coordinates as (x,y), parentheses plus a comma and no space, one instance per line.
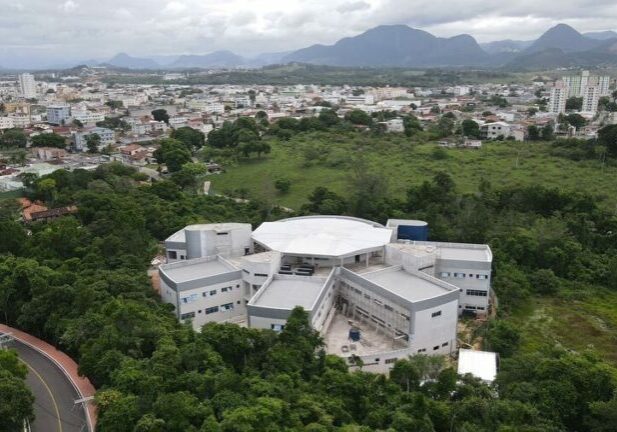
(405,164)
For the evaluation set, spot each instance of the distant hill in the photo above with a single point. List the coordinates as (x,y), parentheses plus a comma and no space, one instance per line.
(217,59)
(505,46)
(266,59)
(563,37)
(124,60)
(601,35)
(395,45)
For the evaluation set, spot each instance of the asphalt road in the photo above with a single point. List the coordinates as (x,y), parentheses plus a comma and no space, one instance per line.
(54,405)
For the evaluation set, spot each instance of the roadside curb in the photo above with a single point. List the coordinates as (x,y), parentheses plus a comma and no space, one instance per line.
(82,385)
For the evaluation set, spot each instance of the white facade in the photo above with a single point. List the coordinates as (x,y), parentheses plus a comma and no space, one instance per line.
(27,85)
(558,98)
(403,297)
(591,97)
(58,114)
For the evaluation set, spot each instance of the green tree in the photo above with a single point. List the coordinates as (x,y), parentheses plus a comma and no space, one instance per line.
(283,185)
(191,138)
(93,141)
(160,115)
(359,117)
(607,137)
(12,138)
(48,140)
(576,120)
(172,153)
(574,103)
(470,129)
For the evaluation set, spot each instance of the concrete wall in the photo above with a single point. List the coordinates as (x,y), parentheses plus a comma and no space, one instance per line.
(430,332)
(195,301)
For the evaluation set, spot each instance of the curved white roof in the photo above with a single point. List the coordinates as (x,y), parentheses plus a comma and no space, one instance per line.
(322,236)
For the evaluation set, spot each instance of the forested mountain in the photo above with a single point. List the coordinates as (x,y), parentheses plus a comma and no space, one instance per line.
(395,45)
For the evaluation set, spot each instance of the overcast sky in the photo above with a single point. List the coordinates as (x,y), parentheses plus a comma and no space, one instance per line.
(86,29)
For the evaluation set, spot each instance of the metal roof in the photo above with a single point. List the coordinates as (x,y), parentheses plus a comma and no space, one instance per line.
(481,364)
(322,236)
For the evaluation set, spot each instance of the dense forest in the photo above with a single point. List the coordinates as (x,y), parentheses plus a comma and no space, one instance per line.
(80,282)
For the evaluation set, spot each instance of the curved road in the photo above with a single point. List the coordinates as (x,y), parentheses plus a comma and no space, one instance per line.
(54,405)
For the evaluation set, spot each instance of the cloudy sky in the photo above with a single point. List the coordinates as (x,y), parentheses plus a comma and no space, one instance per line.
(69,30)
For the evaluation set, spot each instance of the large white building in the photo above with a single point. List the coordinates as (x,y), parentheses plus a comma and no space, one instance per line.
(369,293)
(558,98)
(591,97)
(27,85)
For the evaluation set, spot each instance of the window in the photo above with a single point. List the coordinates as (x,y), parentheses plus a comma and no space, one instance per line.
(188,315)
(246,271)
(388,307)
(477,293)
(204,294)
(479,276)
(480,308)
(172,254)
(435,348)
(444,344)
(377,302)
(211,310)
(392,360)
(213,292)
(444,274)
(366,296)
(225,289)
(277,327)
(227,306)
(459,275)
(422,350)
(436,314)
(221,233)
(261,275)
(405,316)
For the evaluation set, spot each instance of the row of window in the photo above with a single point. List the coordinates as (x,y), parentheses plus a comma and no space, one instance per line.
(477,293)
(376,301)
(435,348)
(210,310)
(458,275)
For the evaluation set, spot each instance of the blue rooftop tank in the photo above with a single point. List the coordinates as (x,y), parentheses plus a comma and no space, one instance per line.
(413,230)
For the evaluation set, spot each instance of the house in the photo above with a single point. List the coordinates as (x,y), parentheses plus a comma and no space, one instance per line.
(48,153)
(495,130)
(80,138)
(471,143)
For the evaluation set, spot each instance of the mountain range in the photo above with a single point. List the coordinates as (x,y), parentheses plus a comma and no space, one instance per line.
(403,46)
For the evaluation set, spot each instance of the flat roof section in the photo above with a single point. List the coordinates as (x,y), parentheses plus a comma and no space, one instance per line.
(481,364)
(321,236)
(288,293)
(462,254)
(180,236)
(195,269)
(405,285)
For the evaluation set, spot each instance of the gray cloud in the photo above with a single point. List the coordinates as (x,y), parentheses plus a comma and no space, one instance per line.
(71,30)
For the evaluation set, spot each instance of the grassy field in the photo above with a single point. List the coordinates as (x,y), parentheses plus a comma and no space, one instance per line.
(405,164)
(586,323)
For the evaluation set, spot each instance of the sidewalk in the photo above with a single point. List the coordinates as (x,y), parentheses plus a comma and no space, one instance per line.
(68,366)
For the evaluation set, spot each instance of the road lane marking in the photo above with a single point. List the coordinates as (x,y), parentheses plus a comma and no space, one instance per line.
(53,399)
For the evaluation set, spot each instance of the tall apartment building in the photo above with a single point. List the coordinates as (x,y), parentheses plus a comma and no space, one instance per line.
(27,85)
(591,97)
(558,98)
(578,83)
